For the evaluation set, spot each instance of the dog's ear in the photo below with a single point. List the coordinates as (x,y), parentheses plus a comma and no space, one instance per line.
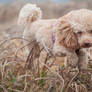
(66,36)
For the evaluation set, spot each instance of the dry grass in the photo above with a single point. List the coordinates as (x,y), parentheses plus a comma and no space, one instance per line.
(47,76)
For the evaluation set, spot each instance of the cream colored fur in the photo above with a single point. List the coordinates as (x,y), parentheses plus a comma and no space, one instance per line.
(66,31)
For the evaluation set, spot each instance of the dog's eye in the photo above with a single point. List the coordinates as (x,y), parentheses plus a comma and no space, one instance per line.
(79,33)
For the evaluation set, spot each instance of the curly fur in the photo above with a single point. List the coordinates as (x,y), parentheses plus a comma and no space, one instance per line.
(28,14)
(70,32)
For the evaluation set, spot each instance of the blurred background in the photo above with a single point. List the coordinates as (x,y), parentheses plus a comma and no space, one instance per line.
(9,10)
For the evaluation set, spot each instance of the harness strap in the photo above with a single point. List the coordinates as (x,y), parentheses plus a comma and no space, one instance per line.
(53,37)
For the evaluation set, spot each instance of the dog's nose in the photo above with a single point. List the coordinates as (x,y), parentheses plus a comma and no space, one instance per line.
(87,44)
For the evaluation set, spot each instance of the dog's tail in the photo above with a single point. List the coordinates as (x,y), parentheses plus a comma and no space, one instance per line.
(28,14)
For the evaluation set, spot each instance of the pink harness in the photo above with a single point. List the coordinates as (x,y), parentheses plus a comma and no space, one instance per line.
(53,37)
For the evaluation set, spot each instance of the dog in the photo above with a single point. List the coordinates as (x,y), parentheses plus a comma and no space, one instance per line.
(62,36)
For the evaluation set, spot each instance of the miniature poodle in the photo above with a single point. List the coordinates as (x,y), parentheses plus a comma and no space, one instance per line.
(62,36)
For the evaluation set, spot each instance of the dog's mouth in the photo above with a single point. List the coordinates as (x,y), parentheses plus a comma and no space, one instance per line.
(77,51)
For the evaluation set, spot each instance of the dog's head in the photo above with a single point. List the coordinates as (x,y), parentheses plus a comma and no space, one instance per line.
(74,30)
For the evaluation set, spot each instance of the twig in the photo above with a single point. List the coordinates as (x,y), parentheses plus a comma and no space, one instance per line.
(21,48)
(84,87)
(25,87)
(42,78)
(76,88)
(14,90)
(73,79)
(34,53)
(28,59)
(12,39)
(24,76)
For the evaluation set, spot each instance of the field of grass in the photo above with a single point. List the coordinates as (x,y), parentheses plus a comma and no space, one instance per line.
(42,76)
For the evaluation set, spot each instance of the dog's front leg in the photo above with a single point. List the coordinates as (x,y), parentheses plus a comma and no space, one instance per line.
(83,59)
(72,59)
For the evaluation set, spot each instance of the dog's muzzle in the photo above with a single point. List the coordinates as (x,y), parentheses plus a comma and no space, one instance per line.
(87,45)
